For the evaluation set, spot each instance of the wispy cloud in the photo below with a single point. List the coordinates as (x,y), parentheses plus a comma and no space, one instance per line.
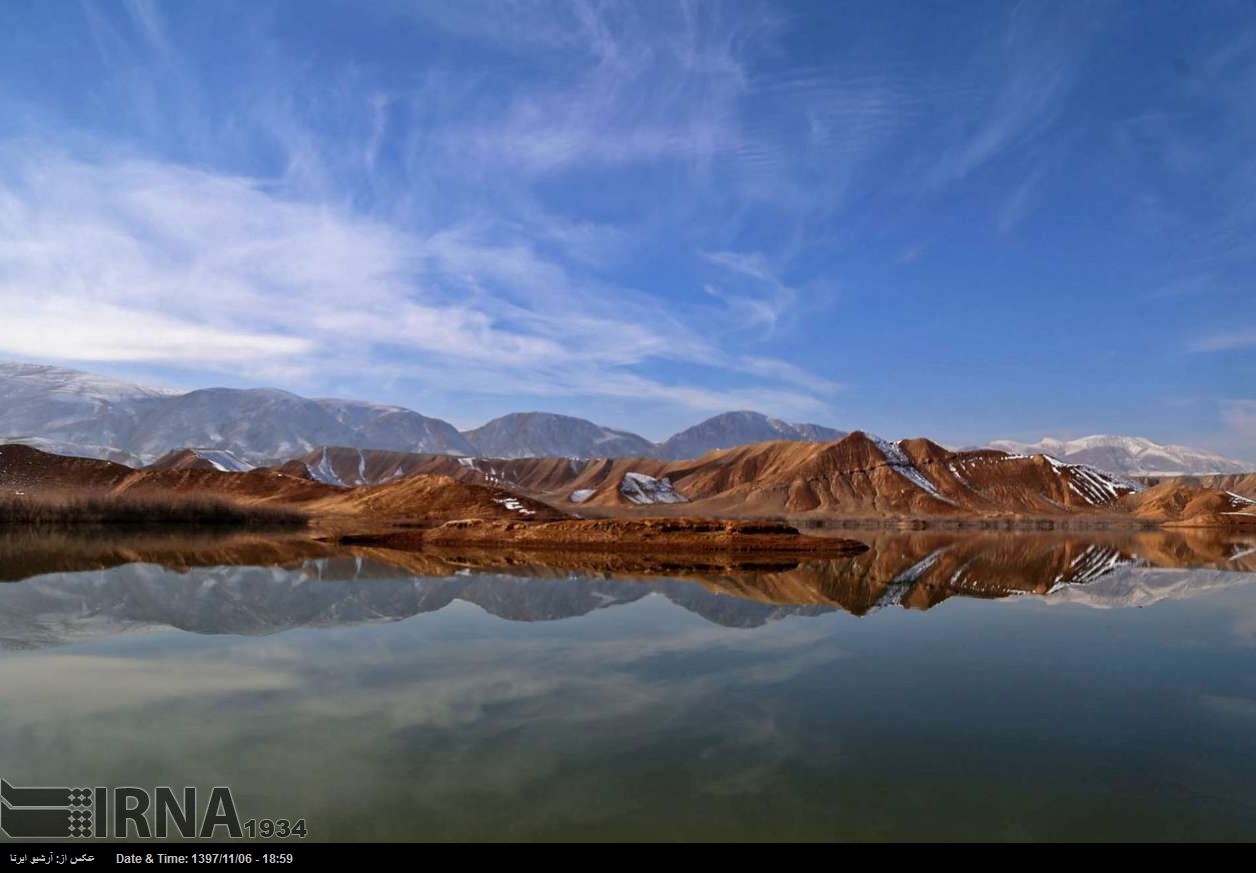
(764,302)
(622,206)
(1018,87)
(629,92)
(1018,204)
(140,261)
(1224,341)
(147,18)
(1240,417)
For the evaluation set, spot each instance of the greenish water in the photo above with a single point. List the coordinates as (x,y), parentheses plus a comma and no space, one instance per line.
(481,706)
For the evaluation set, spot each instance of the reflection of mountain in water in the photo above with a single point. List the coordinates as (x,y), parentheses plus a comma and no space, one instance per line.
(65,607)
(284,584)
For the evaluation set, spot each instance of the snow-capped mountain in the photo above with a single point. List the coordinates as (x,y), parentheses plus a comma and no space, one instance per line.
(1129,456)
(73,413)
(81,414)
(738,428)
(545,434)
(70,412)
(396,428)
(263,424)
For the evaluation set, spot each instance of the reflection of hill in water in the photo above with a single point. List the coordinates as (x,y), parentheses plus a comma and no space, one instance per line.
(78,589)
(259,600)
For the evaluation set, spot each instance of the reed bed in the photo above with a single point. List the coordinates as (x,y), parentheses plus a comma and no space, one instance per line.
(108,510)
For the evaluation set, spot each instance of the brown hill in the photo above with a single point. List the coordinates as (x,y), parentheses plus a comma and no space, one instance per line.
(852,478)
(338,465)
(36,473)
(183,459)
(856,476)
(23,468)
(1242,484)
(427,498)
(1175,505)
(412,499)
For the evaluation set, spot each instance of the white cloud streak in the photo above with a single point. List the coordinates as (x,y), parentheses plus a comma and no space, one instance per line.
(1226,341)
(1240,417)
(126,260)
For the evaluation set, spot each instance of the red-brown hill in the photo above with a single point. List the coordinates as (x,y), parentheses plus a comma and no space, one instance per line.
(37,473)
(857,476)
(426,498)
(1175,505)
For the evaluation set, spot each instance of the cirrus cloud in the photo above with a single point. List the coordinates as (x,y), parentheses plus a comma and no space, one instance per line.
(124,260)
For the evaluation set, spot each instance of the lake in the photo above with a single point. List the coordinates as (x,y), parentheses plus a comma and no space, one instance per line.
(937,687)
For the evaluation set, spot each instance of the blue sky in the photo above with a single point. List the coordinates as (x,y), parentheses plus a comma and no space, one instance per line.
(962,220)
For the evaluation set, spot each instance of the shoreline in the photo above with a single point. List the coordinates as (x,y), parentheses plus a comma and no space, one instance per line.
(671,535)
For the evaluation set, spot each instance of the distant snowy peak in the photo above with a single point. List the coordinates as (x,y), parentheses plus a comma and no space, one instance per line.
(85,414)
(73,413)
(1129,456)
(547,434)
(395,428)
(49,383)
(740,428)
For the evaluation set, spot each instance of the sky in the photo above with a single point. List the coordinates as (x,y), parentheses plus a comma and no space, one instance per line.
(960,220)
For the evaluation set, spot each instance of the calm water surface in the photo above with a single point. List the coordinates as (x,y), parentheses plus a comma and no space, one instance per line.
(812,702)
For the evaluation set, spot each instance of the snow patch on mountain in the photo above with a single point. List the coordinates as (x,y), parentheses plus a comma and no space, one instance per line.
(223,461)
(642,489)
(513,505)
(901,464)
(324,472)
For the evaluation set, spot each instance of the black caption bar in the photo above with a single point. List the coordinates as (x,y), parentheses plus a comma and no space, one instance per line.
(75,855)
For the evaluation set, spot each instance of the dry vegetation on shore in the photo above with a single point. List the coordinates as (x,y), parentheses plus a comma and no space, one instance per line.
(109,510)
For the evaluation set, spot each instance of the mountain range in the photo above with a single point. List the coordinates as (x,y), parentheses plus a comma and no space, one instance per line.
(104,418)
(71,412)
(1129,456)
(856,476)
(75,413)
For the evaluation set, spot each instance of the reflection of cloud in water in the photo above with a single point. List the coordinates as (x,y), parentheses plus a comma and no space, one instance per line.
(439,722)
(1242,707)
(642,719)
(73,607)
